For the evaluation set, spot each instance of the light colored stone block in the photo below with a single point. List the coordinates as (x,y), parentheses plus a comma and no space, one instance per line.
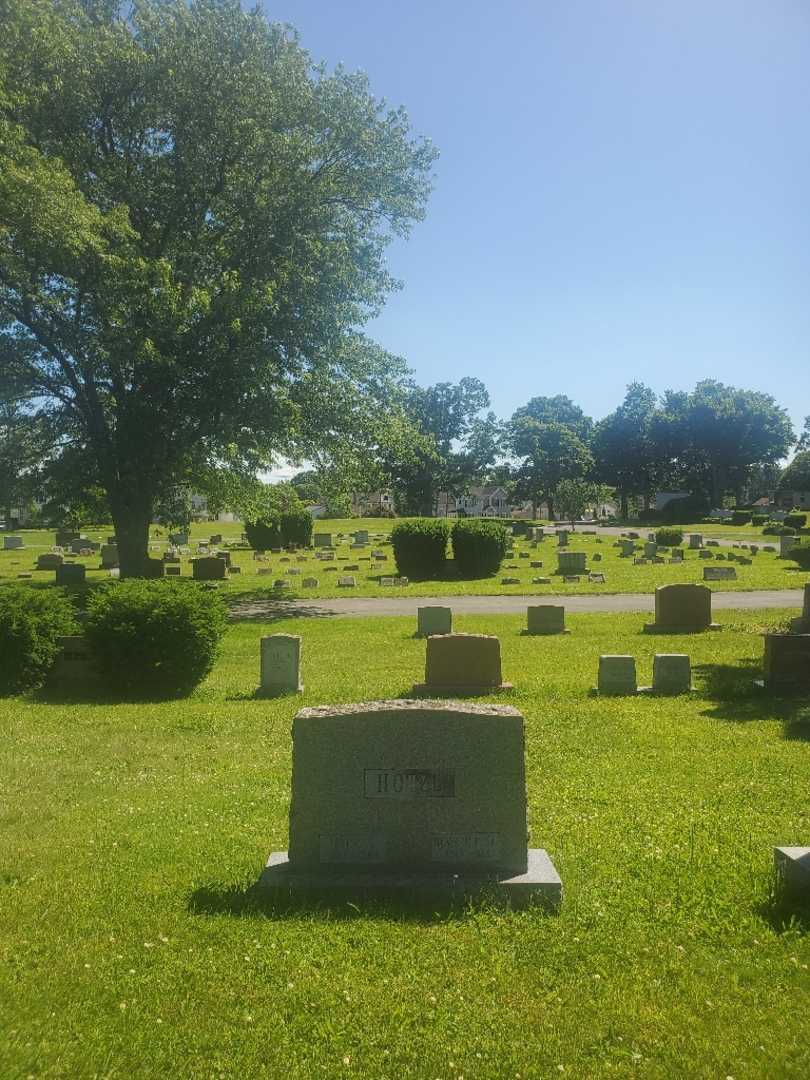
(280,656)
(617,675)
(719,573)
(545,619)
(672,673)
(458,664)
(792,865)
(434,620)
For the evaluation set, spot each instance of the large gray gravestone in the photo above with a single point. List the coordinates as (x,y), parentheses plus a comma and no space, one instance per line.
(109,556)
(12,543)
(787,662)
(792,865)
(280,664)
(695,540)
(562,538)
(545,619)
(49,561)
(322,540)
(434,620)
(70,574)
(617,675)
(417,795)
(682,609)
(459,664)
(802,624)
(208,568)
(672,673)
(572,562)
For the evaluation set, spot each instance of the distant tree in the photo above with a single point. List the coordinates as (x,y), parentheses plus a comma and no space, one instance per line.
(308,486)
(193,220)
(804,437)
(625,452)
(457,444)
(574,497)
(796,476)
(547,453)
(557,410)
(24,442)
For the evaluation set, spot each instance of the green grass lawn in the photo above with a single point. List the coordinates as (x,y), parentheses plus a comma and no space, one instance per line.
(621,576)
(131,944)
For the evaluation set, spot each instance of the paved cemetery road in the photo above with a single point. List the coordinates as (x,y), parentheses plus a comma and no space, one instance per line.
(496,605)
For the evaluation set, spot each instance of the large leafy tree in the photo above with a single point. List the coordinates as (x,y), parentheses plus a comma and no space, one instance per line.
(549,438)
(24,439)
(193,220)
(796,476)
(713,436)
(627,456)
(457,443)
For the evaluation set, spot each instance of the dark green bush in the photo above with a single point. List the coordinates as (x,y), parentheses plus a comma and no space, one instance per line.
(669,537)
(759,519)
(801,555)
(650,515)
(479,546)
(296,528)
(155,638)
(741,517)
(775,529)
(685,511)
(31,622)
(796,521)
(420,547)
(263,535)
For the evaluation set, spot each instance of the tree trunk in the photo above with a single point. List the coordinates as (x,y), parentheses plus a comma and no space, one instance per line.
(132,518)
(623,506)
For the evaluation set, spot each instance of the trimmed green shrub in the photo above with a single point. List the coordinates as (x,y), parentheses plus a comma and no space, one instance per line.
(31,622)
(420,547)
(685,511)
(801,555)
(741,517)
(154,638)
(796,521)
(263,535)
(669,537)
(479,546)
(296,528)
(759,519)
(775,529)
(650,515)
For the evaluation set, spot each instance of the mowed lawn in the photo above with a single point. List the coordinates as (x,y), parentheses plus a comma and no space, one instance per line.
(767,571)
(132,945)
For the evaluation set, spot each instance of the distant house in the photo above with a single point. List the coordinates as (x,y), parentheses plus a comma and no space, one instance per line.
(792,500)
(200,511)
(372,503)
(486,501)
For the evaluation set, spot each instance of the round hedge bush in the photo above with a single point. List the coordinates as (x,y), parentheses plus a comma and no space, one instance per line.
(801,555)
(669,537)
(155,638)
(479,547)
(420,547)
(796,521)
(775,529)
(292,528)
(31,623)
(263,535)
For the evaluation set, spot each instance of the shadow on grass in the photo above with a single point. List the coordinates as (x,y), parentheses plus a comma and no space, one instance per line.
(739,700)
(272,605)
(786,913)
(257,902)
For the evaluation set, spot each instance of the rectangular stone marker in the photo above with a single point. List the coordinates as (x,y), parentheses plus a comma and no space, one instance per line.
(545,619)
(209,568)
(215,539)
(458,664)
(802,624)
(596,579)
(12,543)
(265,571)
(650,550)
(412,795)
(347,582)
(786,545)
(792,865)
(672,673)
(361,536)
(71,574)
(309,583)
(682,609)
(434,620)
(109,556)
(572,562)
(787,662)
(719,573)
(562,538)
(74,664)
(695,540)
(49,561)
(172,570)
(280,664)
(628,549)
(617,675)
(322,540)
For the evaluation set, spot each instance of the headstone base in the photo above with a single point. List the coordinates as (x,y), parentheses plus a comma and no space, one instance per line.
(432,690)
(278,691)
(652,628)
(539,884)
(793,869)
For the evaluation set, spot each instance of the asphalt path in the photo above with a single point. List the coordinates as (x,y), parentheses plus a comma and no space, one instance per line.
(497,605)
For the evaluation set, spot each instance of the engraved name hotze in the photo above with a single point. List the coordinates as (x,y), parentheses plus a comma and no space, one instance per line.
(409,783)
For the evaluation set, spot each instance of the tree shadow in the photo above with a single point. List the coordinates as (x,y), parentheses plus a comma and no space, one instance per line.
(739,700)
(784,911)
(258,902)
(273,606)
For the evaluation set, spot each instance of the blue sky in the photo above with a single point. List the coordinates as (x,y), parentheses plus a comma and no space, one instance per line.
(623,190)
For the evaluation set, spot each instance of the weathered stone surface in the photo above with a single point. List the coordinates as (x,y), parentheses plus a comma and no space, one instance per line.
(71,574)
(12,543)
(172,570)
(309,583)
(786,545)
(545,619)
(802,624)
(681,609)
(787,662)
(280,664)
(208,568)
(434,620)
(628,548)
(650,549)
(74,665)
(719,573)
(617,675)
(562,538)
(695,540)
(572,562)
(462,664)
(322,540)
(409,784)
(347,582)
(49,561)
(672,673)
(109,556)
(792,865)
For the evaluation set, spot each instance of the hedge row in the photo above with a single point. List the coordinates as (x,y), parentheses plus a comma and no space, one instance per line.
(286,529)
(420,546)
(149,638)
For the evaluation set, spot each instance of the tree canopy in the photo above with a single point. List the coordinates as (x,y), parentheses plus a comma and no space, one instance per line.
(193,219)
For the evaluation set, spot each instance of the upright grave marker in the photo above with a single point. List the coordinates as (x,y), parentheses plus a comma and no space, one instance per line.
(459,664)
(280,664)
(545,619)
(411,795)
(433,620)
(682,609)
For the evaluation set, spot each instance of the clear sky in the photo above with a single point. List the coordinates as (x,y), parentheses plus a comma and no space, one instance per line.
(623,190)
